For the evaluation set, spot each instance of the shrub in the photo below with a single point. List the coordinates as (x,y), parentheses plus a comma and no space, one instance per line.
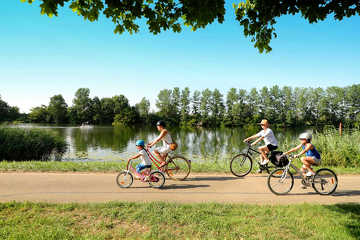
(18,144)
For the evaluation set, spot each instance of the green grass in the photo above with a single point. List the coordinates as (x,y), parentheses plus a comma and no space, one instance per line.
(159,220)
(114,166)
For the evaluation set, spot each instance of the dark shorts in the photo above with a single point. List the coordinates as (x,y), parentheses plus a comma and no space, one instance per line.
(271,147)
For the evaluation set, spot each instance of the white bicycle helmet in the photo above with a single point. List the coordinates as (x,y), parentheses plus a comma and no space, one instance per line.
(306,136)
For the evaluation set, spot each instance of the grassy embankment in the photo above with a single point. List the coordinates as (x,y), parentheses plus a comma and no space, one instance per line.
(158,220)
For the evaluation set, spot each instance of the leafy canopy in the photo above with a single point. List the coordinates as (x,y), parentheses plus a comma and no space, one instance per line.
(257,17)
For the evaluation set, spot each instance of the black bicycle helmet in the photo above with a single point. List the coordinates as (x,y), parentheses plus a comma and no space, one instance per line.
(161,123)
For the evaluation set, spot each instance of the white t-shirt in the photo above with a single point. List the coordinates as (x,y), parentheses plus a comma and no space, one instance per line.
(145,157)
(269,137)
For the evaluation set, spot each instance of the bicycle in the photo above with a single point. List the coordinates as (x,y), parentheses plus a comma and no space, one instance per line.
(176,167)
(155,179)
(324,182)
(241,164)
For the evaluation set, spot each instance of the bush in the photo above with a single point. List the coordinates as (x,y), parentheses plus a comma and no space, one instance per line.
(19,144)
(335,150)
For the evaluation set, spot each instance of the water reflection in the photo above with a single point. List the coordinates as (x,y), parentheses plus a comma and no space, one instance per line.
(115,143)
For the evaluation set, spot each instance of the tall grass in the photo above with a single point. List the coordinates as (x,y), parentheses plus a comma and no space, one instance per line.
(335,150)
(19,144)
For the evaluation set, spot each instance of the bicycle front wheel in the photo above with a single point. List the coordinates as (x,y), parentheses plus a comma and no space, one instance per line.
(124,179)
(178,168)
(325,181)
(241,165)
(156,179)
(280,182)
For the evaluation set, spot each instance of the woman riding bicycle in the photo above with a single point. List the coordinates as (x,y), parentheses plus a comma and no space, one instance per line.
(312,156)
(162,152)
(270,141)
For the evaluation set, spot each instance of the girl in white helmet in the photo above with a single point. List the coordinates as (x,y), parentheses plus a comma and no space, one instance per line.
(312,156)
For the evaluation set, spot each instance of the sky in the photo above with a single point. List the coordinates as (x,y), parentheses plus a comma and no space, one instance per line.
(42,56)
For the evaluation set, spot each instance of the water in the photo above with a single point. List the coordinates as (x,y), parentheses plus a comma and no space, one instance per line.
(107,143)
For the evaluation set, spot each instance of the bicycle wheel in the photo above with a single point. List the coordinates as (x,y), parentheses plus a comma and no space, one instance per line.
(178,168)
(280,182)
(241,165)
(325,181)
(156,179)
(124,179)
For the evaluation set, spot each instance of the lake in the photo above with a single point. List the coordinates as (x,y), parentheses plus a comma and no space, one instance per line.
(107,143)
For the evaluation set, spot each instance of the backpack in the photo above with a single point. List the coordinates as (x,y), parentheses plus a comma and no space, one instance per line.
(277,159)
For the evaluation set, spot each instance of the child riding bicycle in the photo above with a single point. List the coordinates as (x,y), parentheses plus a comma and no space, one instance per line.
(270,141)
(312,156)
(168,143)
(146,162)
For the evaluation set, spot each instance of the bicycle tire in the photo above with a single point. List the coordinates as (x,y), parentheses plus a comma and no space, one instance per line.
(177,168)
(235,162)
(333,181)
(278,174)
(156,179)
(126,176)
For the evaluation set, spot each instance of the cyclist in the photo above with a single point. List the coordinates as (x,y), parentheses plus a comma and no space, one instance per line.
(269,138)
(312,156)
(146,162)
(162,152)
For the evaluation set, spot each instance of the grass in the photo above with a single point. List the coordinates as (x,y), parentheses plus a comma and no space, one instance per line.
(114,166)
(30,144)
(157,220)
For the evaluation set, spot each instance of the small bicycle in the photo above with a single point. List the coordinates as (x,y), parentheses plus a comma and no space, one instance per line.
(155,179)
(241,164)
(281,180)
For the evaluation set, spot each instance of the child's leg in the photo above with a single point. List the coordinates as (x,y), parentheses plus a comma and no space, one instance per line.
(308,161)
(158,155)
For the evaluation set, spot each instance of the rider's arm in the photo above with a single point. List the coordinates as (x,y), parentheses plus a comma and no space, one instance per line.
(293,150)
(158,139)
(307,148)
(251,138)
(257,141)
(135,156)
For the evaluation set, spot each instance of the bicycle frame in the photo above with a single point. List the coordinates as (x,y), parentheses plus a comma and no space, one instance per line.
(287,169)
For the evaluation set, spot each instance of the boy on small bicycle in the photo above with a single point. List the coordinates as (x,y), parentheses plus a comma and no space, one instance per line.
(269,138)
(146,162)
(312,156)
(162,152)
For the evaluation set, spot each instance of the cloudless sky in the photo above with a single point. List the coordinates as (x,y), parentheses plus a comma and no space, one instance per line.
(42,56)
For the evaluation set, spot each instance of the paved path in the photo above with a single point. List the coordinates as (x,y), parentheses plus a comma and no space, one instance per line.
(101,187)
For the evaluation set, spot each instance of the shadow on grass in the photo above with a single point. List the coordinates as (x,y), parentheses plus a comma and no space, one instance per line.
(352,209)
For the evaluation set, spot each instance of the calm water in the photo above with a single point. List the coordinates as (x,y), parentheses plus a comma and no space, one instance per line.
(115,143)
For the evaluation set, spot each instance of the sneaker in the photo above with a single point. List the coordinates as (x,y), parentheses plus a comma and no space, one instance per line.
(259,171)
(146,179)
(310,174)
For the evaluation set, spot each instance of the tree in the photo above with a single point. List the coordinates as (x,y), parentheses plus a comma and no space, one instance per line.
(205,106)
(82,106)
(58,109)
(8,113)
(257,17)
(185,105)
(164,103)
(107,110)
(39,114)
(196,101)
(231,99)
(143,107)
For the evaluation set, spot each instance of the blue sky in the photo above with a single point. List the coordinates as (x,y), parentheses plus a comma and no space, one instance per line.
(41,57)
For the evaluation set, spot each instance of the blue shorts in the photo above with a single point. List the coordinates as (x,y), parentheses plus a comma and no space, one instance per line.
(141,167)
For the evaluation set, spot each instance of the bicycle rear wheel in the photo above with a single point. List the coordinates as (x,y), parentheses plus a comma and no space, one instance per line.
(280,182)
(241,165)
(124,179)
(178,168)
(156,179)
(325,181)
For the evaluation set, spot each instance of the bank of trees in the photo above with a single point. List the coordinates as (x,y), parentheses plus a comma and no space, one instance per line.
(8,113)
(284,106)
